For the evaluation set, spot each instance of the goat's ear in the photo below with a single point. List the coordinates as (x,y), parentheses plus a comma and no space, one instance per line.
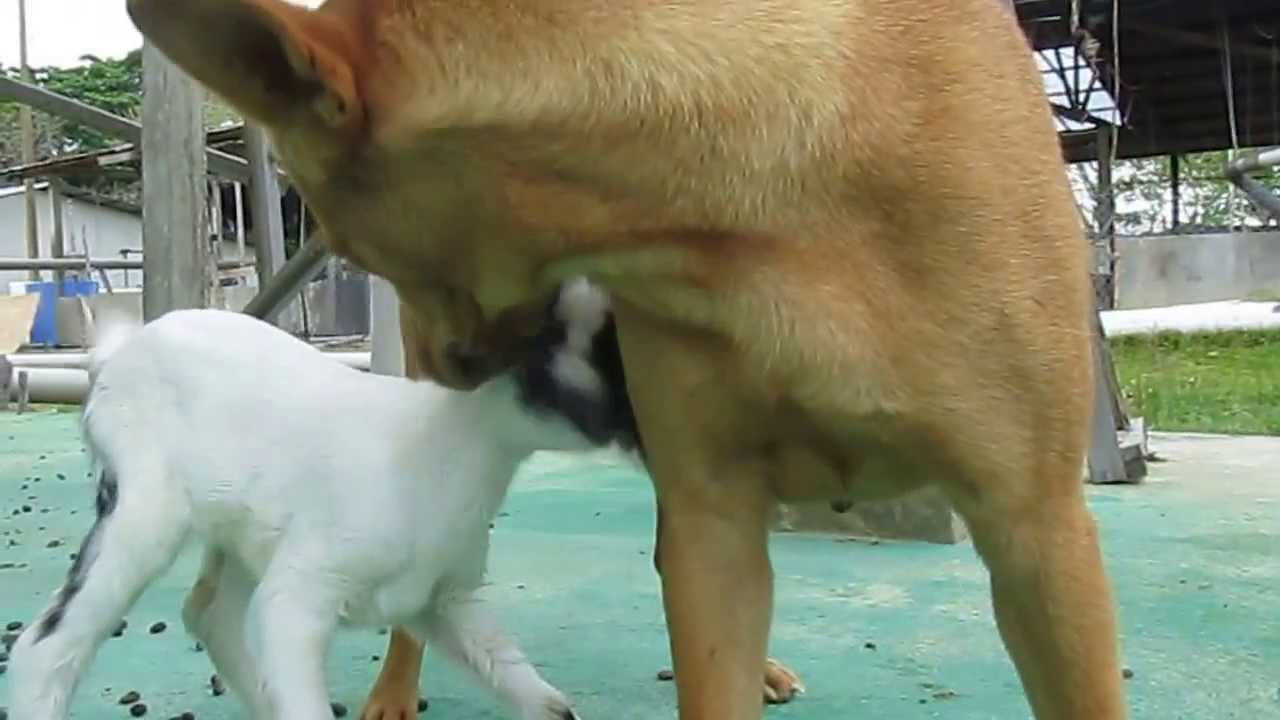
(276,63)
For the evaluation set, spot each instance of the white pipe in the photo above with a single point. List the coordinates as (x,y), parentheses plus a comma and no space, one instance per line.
(69,385)
(51,385)
(50,360)
(1269,157)
(80,360)
(1210,317)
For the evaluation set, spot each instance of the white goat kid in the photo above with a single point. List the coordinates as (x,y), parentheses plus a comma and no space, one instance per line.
(324,496)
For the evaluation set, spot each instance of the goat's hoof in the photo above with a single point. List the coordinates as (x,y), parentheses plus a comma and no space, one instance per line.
(557,708)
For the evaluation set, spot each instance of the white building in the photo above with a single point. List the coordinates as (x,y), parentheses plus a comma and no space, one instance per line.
(100,228)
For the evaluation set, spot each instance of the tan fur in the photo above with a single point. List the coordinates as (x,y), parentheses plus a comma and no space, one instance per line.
(839,234)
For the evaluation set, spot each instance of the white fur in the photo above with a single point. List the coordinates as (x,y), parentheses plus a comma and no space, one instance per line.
(324,497)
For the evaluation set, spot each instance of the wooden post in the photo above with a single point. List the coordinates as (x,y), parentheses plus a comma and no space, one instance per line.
(24,391)
(387,347)
(1106,464)
(175,249)
(6,377)
(1175,182)
(28,131)
(268,220)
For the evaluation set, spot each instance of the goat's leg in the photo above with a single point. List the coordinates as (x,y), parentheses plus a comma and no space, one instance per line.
(215,613)
(135,538)
(291,619)
(469,634)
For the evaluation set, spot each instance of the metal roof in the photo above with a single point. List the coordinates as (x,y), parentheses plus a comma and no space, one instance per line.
(1194,75)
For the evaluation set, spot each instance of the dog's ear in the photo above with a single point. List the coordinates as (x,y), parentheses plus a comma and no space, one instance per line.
(276,63)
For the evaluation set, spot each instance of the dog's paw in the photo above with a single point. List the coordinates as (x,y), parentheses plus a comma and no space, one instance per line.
(781,685)
(391,703)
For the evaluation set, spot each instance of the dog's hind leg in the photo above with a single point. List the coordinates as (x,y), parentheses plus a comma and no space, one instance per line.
(215,613)
(133,540)
(1023,499)
(470,635)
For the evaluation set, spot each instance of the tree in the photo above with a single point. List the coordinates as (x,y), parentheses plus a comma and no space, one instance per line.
(114,85)
(1144,194)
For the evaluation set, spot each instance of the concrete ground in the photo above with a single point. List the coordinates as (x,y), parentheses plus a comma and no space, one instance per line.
(891,630)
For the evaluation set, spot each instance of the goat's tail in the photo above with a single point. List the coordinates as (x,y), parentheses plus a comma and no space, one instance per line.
(111,330)
(141,522)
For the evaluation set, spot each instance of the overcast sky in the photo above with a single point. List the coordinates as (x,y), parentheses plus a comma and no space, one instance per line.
(60,31)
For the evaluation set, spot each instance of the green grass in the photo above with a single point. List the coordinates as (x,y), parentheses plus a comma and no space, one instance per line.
(1211,382)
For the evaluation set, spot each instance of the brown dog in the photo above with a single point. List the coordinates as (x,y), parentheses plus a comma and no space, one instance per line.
(842,248)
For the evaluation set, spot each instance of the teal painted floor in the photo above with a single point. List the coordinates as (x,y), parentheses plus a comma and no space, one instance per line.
(889,631)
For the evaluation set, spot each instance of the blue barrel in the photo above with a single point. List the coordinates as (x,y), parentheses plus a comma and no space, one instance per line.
(44,331)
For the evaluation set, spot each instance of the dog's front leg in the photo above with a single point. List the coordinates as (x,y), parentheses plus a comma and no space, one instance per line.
(395,694)
(715,503)
(781,683)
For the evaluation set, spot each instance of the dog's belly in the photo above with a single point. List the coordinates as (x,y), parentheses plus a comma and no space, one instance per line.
(806,471)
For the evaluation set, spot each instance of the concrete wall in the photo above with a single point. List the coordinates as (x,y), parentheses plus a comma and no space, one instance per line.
(106,231)
(1161,270)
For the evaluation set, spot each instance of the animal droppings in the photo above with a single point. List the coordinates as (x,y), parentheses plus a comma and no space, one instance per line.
(666,675)
(120,628)
(188,715)
(869,646)
(138,710)
(4,668)
(4,714)
(216,686)
(60,476)
(423,704)
(13,625)
(375,658)
(339,710)
(26,508)
(157,628)
(8,639)
(130,697)
(1127,674)
(4,656)
(53,543)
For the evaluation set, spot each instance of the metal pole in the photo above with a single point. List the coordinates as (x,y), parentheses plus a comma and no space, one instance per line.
(1237,171)
(1175,181)
(1105,220)
(298,270)
(104,263)
(28,144)
(58,244)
